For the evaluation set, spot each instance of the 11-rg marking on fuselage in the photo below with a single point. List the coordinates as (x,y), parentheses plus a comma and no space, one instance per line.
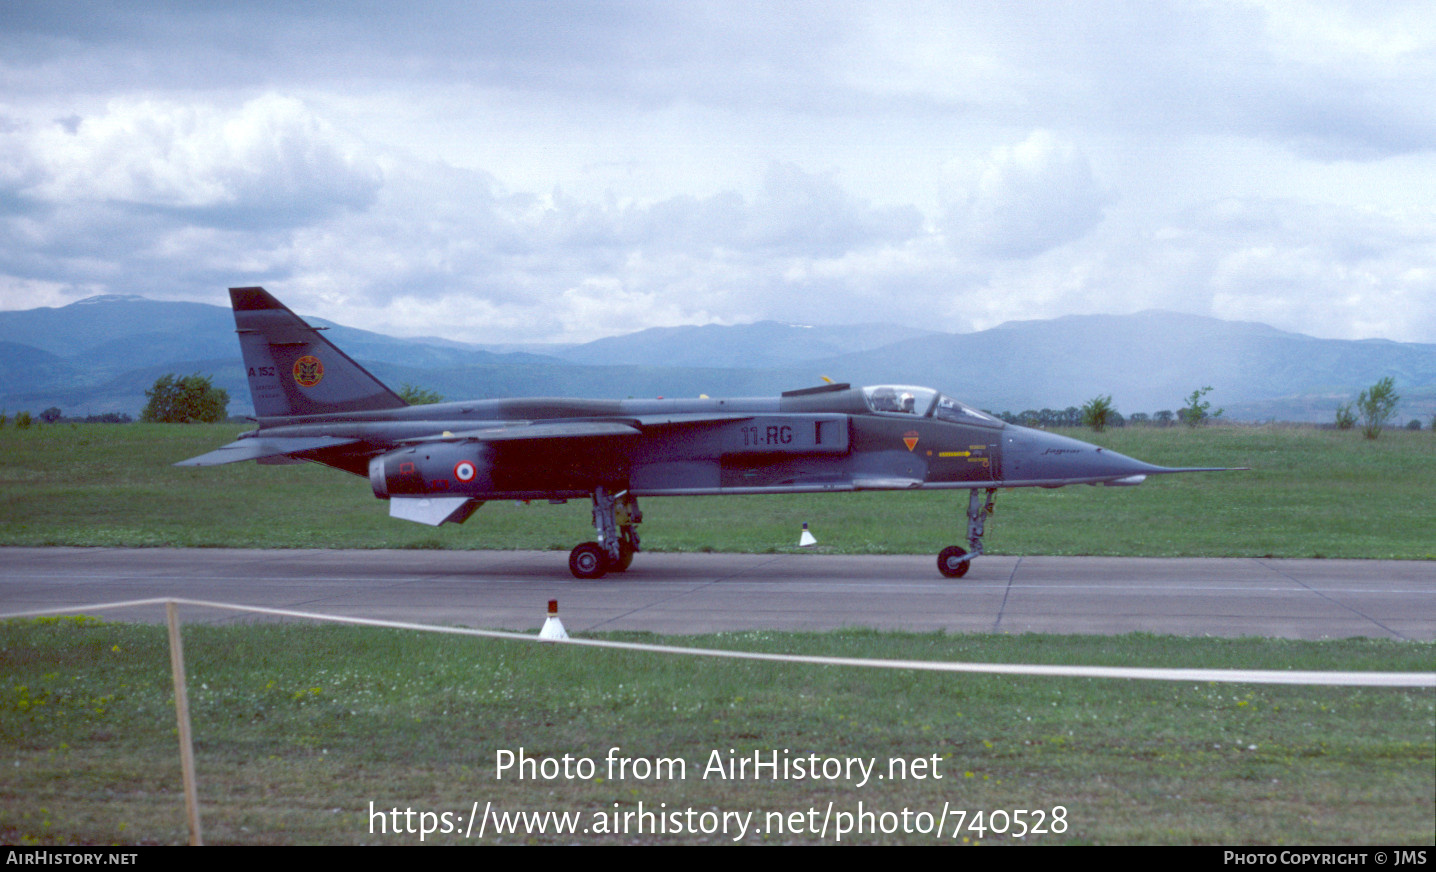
(771,435)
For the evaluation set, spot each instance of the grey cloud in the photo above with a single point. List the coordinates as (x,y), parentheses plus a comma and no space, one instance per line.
(341,148)
(565,261)
(627,51)
(269,162)
(1323,80)
(797,214)
(811,214)
(1226,68)
(1322,269)
(155,196)
(1026,199)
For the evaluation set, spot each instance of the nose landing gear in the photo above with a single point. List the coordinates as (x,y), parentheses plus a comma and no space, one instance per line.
(954,559)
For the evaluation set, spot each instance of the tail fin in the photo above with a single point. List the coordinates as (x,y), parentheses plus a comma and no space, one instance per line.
(293,370)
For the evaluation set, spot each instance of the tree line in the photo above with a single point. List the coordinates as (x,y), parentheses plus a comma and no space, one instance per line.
(1098,413)
(1373,408)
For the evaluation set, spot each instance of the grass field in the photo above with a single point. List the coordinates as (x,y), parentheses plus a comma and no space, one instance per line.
(1310,493)
(298,729)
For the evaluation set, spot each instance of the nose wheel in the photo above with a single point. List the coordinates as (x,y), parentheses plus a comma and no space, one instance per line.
(954,560)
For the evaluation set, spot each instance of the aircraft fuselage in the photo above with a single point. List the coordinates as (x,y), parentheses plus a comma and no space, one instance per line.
(436,464)
(826,439)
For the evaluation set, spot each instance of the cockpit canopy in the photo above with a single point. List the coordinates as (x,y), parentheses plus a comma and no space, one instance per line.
(923,403)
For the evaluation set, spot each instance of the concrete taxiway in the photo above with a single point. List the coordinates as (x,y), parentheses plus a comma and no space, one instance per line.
(696,593)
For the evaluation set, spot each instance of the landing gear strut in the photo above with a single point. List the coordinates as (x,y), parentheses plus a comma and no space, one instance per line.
(954,559)
(614,518)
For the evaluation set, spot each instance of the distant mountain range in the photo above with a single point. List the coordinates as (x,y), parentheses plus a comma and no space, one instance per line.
(101,354)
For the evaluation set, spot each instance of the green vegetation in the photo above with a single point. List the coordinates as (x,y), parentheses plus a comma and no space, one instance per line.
(1377,404)
(1345,416)
(189,400)
(298,729)
(417,396)
(1310,493)
(1097,413)
(1196,412)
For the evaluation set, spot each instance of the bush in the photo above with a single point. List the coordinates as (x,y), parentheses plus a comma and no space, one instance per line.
(1345,417)
(417,396)
(1097,413)
(109,418)
(1377,404)
(1195,413)
(187,400)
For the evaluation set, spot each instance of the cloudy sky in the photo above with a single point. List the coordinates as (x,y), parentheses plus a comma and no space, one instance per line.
(524,171)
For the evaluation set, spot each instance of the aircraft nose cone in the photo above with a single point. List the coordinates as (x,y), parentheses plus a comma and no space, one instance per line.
(1037,456)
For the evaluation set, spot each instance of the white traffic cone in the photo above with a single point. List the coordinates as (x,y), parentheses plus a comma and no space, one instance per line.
(553,628)
(807,538)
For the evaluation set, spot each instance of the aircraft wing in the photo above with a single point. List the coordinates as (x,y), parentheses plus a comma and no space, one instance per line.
(528,430)
(264,447)
(517,431)
(680,419)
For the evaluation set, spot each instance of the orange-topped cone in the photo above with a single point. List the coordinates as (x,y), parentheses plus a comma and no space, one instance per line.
(553,628)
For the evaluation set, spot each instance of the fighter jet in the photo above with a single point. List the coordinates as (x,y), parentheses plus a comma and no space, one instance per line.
(436,464)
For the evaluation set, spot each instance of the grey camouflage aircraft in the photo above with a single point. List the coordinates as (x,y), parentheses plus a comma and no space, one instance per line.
(437,464)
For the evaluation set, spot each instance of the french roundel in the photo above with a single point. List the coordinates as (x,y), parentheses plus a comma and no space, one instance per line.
(465,470)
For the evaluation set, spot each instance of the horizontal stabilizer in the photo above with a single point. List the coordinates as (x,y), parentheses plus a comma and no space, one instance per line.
(433,510)
(256,449)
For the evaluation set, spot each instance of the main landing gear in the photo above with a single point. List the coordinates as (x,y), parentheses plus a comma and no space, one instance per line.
(954,559)
(614,518)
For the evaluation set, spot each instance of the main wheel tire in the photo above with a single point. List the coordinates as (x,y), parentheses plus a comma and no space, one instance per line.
(588,560)
(625,558)
(950,564)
